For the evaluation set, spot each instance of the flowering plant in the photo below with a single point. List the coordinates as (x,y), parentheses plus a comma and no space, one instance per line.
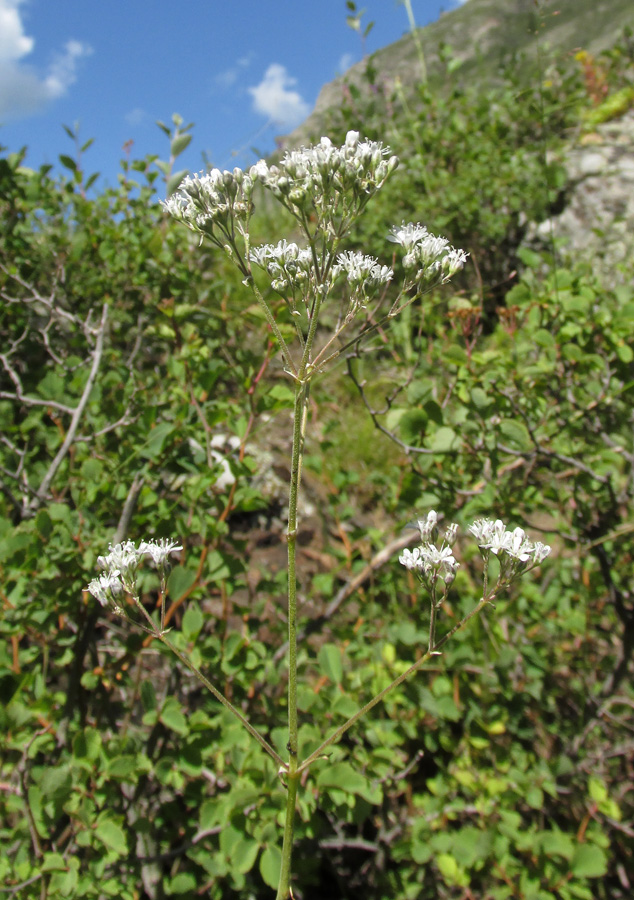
(325,188)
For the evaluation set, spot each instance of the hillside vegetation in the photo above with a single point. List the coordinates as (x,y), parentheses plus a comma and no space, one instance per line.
(141,396)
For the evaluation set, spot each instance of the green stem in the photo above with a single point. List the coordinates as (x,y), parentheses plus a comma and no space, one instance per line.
(270,318)
(401,678)
(204,681)
(222,699)
(299,430)
(283,889)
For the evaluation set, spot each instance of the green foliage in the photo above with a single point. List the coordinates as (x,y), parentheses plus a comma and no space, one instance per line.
(501,771)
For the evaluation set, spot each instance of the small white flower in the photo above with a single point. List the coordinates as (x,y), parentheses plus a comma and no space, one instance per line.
(407,235)
(438,559)
(159,550)
(540,552)
(411,559)
(517,546)
(485,531)
(122,559)
(361,270)
(106,588)
(427,526)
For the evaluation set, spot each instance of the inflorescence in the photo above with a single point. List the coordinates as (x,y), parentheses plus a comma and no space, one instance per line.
(325,187)
(120,567)
(516,553)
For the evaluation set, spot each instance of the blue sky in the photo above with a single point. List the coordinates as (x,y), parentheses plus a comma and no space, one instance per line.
(243,72)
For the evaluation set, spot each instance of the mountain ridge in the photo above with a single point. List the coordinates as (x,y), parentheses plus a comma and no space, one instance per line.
(480,36)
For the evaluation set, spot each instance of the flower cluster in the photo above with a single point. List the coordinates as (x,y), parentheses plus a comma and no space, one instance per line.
(363,274)
(120,567)
(515,551)
(434,257)
(288,266)
(215,199)
(429,561)
(361,271)
(323,177)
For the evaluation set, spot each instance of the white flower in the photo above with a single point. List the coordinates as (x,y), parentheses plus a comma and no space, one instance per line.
(212,199)
(517,546)
(540,552)
(486,531)
(407,235)
(106,588)
(453,262)
(438,559)
(411,559)
(434,256)
(159,550)
(316,177)
(451,534)
(427,526)
(360,270)
(122,559)
(515,551)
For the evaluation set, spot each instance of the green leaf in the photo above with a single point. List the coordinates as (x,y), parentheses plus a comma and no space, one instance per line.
(282,393)
(344,777)
(123,767)
(53,862)
(534,797)
(112,835)
(180,580)
(183,883)
(448,867)
(148,696)
(174,181)
(68,162)
(330,662)
(56,783)
(172,717)
(589,861)
(556,843)
(244,855)
(270,865)
(479,398)
(444,440)
(544,338)
(87,744)
(154,442)
(597,789)
(455,355)
(91,469)
(192,622)
(44,523)
(180,143)
(412,425)
(515,433)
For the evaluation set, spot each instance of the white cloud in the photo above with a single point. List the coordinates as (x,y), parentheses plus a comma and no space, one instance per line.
(136,116)
(273,98)
(345,62)
(229,77)
(23,90)
(13,42)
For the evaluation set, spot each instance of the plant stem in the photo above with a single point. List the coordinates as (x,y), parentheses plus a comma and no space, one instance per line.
(401,678)
(299,430)
(283,889)
(205,681)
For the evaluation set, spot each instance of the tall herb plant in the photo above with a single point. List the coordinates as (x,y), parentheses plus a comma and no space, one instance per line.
(325,189)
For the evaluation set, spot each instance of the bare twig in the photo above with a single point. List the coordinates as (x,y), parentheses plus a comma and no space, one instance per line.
(78,412)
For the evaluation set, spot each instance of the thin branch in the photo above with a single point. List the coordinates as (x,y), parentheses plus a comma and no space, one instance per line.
(77,414)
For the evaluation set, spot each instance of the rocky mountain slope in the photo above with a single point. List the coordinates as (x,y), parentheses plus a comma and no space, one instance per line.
(481,36)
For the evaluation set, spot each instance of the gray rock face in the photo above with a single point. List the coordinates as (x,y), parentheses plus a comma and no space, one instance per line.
(598,220)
